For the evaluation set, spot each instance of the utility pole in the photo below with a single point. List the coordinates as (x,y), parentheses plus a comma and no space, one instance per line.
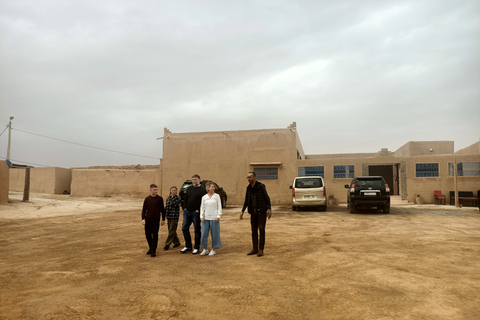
(9,137)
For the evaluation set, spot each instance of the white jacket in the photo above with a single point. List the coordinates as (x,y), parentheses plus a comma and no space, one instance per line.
(211,208)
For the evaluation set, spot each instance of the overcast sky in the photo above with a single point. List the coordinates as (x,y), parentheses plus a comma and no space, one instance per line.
(356,76)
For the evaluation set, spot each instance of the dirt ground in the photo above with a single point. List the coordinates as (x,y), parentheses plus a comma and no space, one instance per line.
(84,258)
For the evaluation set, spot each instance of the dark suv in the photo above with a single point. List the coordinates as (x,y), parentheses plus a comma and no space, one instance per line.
(220,191)
(368,192)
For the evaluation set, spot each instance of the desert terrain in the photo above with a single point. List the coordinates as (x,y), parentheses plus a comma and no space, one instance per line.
(63,257)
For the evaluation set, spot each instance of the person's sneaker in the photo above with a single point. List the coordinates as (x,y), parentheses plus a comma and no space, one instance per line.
(176,245)
(149,252)
(185,250)
(260,253)
(166,248)
(195,251)
(204,252)
(212,253)
(254,251)
(153,254)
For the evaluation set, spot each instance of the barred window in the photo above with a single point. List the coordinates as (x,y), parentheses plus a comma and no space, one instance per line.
(465,169)
(343,171)
(427,169)
(266,173)
(311,171)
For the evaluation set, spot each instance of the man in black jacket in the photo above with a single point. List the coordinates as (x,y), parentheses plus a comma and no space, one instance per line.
(153,209)
(191,214)
(260,208)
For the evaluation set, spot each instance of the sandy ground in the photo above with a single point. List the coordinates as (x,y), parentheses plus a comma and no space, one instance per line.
(84,258)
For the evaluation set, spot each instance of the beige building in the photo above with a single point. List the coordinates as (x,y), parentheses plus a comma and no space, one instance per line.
(277,156)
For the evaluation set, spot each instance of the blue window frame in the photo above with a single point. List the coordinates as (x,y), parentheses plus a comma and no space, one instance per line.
(311,171)
(266,173)
(427,169)
(465,169)
(343,171)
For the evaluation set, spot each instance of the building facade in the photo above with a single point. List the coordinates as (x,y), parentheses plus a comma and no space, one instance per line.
(277,157)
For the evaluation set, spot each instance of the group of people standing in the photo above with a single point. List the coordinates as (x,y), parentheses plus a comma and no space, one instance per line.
(203,208)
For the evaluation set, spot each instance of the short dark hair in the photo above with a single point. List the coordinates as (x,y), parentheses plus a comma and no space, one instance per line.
(153,185)
(196,176)
(253,173)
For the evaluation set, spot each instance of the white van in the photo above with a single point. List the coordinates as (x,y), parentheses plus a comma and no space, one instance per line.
(309,192)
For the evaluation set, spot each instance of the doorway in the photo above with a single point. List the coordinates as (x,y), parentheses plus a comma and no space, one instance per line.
(389,173)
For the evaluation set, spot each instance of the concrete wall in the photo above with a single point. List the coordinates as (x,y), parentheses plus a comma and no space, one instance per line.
(114,182)
(417,148)
(473,149)
(52,180)
(4,182)
(227,157)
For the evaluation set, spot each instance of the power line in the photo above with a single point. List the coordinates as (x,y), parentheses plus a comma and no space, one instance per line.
(84,145)
(4,130)
(42,165)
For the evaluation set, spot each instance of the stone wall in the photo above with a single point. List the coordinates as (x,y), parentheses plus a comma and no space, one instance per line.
(227,157)
(4,182)
(52,180)
(114,182)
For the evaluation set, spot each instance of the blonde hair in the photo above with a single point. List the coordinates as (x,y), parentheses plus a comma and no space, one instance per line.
(208,184)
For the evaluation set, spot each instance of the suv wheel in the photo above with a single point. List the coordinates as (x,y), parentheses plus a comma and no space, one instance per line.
(294,208)
(386,209)
(352,208)
(224,202)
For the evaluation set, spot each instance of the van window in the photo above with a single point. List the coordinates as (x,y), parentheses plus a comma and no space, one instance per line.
(308,183)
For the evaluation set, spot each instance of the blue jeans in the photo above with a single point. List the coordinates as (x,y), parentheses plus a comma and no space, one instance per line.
(190,217)
(213,227)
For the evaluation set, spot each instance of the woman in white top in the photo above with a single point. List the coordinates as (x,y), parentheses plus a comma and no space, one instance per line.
(210,212)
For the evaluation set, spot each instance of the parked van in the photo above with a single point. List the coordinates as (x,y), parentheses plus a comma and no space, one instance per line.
(309,192)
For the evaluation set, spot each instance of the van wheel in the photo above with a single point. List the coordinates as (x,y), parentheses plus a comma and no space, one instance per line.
(352,208)
(386,209)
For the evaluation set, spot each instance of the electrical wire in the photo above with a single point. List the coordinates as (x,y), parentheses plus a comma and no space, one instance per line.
(36,164)
(84,145)
(4,130)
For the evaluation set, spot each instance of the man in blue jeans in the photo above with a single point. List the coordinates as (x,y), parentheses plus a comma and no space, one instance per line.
(191,213)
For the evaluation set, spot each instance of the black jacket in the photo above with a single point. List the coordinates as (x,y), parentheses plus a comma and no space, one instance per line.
(259,194)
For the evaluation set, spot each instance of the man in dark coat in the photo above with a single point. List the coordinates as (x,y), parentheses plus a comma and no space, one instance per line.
(259,208)
(153,209)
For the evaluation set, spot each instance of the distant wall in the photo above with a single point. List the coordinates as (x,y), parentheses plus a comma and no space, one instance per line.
(114,182)
(4,182)
(417,148)
(472,150)
(52,180)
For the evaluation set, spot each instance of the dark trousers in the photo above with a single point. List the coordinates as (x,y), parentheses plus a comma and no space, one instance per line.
(190,217)
(258,220)
(151,232)
(172,233)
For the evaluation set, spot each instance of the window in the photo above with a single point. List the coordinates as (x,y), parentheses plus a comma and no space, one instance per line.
(266,173)
(308,183)
(310,171)
(343,171)
(427,169)
(465,169)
